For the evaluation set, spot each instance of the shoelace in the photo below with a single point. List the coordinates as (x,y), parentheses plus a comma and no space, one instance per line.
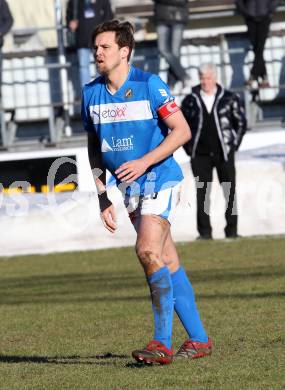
(187,345)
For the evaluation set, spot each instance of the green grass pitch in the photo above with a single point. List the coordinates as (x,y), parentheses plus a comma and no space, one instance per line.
(70,321)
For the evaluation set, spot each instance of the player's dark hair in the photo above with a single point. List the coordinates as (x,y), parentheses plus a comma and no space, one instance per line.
(124,33)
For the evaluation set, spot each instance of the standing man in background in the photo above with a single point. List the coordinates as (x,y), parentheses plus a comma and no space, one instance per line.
(81,17)
(258,16)
(6,22)
(171,17)
(218,123)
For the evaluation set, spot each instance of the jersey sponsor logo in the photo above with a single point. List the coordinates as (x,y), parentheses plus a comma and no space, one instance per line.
(105,147)
(108,114)
(117,144)
(120,112)
(95,115)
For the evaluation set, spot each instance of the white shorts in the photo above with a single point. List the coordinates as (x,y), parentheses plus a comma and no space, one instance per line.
(162,203)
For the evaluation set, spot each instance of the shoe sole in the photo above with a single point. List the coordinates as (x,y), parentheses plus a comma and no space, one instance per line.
(147,360)
(196,356)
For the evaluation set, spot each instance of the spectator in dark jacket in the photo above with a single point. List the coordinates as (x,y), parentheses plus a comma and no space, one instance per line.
(6,22)
(82,17)
(171,17)
(258,16)
(217,120)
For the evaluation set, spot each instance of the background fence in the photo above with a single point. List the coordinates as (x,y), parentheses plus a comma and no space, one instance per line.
(41,94)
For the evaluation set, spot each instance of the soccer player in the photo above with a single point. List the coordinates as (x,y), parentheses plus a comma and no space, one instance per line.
(134,126)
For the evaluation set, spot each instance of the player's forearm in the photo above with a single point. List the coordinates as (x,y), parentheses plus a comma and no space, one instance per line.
(175,139)
(96,165)
(100,184)
(98,172)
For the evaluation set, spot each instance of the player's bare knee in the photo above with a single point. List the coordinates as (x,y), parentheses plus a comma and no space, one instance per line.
(145,255)
(172,263)
(167,260)
(148,258)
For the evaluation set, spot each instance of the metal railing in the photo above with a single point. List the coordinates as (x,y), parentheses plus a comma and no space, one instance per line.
(39,87)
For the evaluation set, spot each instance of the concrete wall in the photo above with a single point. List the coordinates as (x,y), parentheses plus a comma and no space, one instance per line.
(39,223)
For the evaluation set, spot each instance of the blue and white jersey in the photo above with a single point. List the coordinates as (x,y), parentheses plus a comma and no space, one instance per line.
(128,124)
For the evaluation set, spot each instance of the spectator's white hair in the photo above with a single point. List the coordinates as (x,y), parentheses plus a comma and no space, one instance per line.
(208,67)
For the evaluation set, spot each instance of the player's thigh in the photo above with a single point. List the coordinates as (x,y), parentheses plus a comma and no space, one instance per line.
(156,214)
(151,234)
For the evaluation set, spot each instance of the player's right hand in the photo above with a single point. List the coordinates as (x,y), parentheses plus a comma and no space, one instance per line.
(108,217)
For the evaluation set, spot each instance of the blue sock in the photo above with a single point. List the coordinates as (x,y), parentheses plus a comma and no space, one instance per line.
(185,306)
(162,305)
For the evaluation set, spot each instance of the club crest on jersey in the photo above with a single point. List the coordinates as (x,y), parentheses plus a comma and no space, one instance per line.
(117,144)
(129,93)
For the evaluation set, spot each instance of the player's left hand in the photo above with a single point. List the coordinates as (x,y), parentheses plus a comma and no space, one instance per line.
(131,170)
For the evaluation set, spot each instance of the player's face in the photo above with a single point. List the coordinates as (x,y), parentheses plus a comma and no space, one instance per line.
(107,54)
(208,81)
